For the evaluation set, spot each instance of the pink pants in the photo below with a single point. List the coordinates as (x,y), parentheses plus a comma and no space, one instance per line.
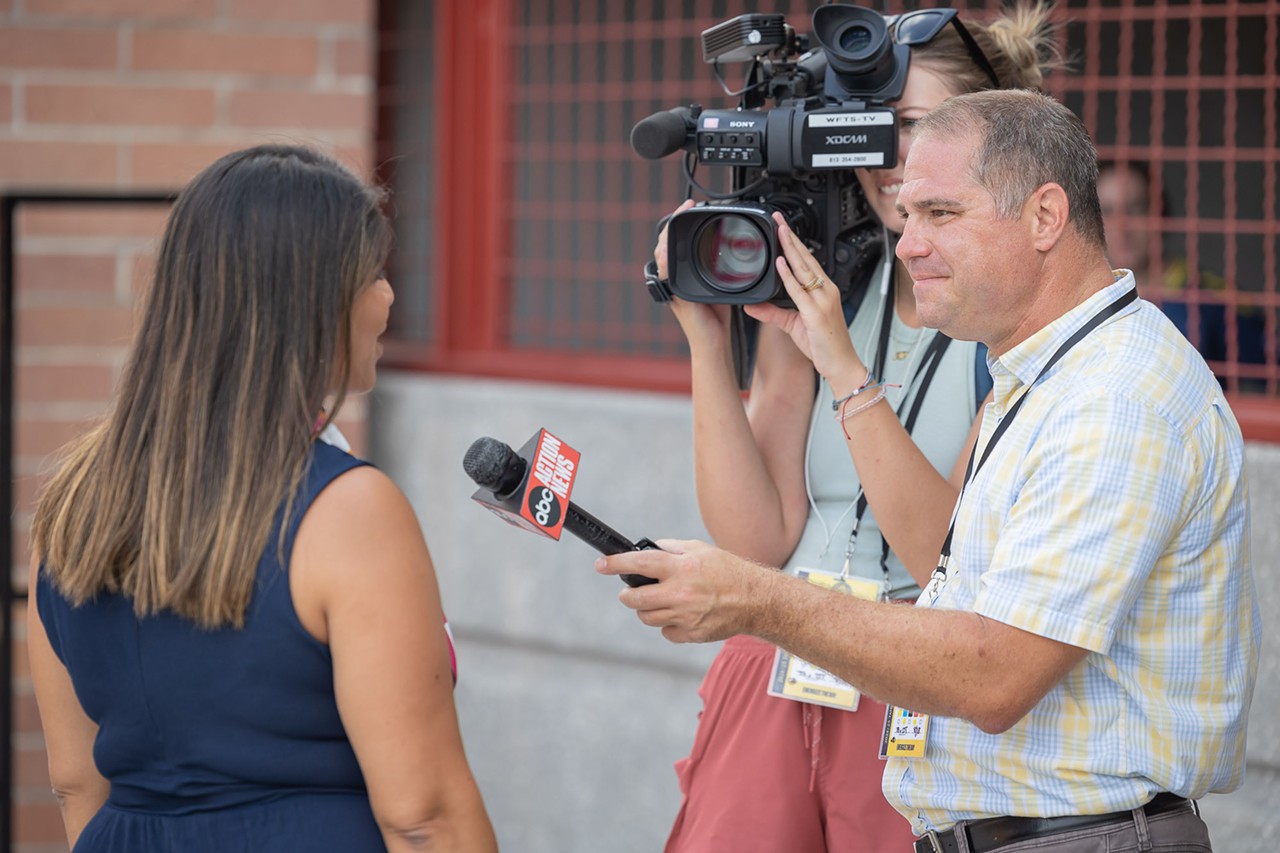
(769,774)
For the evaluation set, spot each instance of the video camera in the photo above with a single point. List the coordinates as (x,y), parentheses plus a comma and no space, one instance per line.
(796,158)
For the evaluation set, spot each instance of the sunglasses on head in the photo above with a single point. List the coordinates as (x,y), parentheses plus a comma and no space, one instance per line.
(923,25)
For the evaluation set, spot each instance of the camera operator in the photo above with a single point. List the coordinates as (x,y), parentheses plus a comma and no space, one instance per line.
(784,484)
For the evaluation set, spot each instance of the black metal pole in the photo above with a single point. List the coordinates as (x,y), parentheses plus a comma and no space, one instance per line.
(7,205)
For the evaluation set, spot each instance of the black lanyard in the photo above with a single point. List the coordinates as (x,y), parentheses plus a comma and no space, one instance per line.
(970,471)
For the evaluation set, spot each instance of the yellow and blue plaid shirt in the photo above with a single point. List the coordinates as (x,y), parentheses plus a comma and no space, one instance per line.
(1112,515)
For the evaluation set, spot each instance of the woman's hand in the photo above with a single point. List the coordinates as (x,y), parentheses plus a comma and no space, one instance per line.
(660,250)
(703,324)
(817,325)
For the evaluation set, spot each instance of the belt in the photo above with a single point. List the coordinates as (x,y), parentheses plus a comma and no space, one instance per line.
(996,832)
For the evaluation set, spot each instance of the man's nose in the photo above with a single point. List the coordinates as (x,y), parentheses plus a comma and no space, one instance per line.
(910,245)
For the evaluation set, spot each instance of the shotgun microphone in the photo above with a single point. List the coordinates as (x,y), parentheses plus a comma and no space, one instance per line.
(530,490)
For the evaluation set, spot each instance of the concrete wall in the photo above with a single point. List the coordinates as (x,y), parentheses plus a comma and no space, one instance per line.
(573,712)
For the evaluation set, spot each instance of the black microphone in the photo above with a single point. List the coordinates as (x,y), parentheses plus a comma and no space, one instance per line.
(663,133)
(530,497)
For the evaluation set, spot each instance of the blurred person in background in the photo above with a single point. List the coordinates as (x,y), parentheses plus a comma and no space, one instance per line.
(1135,242)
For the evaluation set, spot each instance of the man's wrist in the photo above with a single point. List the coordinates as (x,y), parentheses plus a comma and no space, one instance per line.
(760,592)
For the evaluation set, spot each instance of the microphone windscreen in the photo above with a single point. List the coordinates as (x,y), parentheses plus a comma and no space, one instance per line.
(661,133)
(488,462)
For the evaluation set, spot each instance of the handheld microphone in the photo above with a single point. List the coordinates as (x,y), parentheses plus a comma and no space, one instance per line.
(663,133)
(535,497)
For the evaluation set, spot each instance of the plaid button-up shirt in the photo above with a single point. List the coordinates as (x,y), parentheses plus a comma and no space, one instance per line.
(1113,516)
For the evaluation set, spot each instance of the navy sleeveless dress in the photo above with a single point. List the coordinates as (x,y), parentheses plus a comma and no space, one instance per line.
(216,741)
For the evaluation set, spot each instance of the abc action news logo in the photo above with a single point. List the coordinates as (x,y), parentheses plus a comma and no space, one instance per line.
(555,464)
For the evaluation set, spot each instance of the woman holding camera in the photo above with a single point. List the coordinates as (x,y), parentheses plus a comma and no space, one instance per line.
(833,489)
(235,631)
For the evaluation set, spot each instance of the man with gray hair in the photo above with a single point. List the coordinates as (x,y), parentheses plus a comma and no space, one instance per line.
(1080,667)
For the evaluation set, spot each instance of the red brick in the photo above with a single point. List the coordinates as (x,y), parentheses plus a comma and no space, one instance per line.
(21,670)
(97,326)
(42,437)
(199,50)
(31,769)
(63,383)
(170,165)
(29,48)
(39,164)
(26,718)
(359,160)
(92,220)
(353,57)
(21,557)
(173,165)
(6,104)
(311,11)
(301,110)
(38,822)
(117,10)
(26,490)
(91,276)
(141,270)
(119,105)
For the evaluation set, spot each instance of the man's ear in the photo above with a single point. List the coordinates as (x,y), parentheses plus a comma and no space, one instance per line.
(1048,211)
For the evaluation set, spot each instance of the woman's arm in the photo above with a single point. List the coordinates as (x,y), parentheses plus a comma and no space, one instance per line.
(363,582)
(68,732)
(748,462)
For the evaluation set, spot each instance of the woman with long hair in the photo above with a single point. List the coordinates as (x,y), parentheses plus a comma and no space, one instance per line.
(235,631)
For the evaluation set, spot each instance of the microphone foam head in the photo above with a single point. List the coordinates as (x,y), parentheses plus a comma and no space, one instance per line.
(487,462)
(660,134)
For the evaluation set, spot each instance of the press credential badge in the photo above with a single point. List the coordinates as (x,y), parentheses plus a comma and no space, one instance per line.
(796,678)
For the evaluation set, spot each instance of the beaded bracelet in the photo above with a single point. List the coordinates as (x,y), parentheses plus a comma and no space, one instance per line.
(869,382)
(845,415)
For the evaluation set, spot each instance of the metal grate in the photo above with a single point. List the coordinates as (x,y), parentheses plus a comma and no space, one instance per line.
(550,215)
(1182,99)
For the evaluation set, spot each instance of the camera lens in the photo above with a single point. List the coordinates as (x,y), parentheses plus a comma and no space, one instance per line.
(731,252)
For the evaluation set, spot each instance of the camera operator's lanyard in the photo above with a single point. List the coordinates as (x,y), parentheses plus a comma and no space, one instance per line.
(928,367)
(940,573)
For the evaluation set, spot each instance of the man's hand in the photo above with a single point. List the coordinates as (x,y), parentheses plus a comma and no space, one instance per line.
(703,594)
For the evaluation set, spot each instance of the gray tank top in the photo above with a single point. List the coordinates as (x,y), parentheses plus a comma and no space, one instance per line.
(940,430)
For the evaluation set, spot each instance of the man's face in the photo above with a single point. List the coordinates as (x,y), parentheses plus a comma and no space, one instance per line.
(967,262)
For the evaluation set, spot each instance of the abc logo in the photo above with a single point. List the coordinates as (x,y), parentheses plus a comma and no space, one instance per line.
(544,506)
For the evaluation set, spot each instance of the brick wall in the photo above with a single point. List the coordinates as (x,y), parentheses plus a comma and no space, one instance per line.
(137,95)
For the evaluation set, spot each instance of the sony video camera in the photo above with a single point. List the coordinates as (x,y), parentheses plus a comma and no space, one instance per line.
(796,158)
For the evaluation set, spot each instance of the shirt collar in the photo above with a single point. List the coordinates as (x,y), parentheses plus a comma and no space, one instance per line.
(1022,364)
(332,435)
